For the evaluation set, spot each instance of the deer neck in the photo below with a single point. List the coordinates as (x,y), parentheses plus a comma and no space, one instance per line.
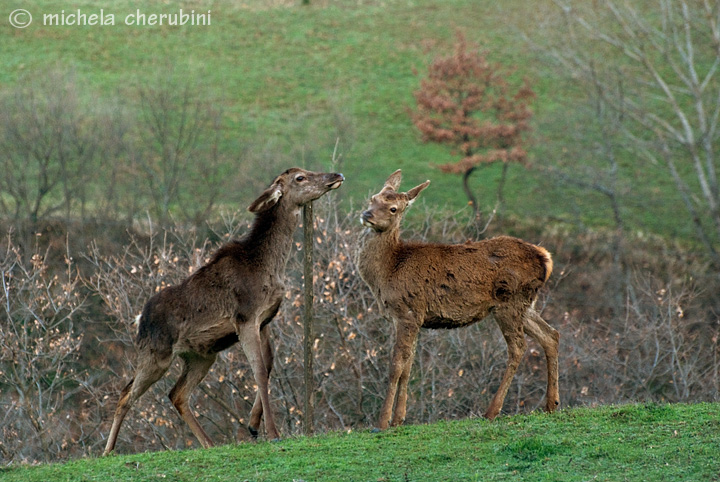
(271,236)
(375,256)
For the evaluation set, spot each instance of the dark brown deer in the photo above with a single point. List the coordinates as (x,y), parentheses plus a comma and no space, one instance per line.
(232,298)
(421,285)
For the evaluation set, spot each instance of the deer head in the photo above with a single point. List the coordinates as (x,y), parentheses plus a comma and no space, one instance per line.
(387,207)
(296,187)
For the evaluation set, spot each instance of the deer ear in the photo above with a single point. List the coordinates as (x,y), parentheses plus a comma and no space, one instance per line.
(393,182)
(267,199)
(412,193)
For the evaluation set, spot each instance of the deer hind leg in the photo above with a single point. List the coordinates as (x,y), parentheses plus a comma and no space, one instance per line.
(195,368)
(549,339)
(252,345)
(510,321)
(402,358)
(147,374)
(268,357)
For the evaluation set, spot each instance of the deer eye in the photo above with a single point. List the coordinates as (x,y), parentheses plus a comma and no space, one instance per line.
(393,209)
(300,178)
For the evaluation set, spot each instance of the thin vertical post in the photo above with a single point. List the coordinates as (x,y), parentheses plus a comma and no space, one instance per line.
(309,335)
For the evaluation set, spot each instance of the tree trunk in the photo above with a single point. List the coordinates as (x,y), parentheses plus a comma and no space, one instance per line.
(309,335)
(471,197)
(501,191)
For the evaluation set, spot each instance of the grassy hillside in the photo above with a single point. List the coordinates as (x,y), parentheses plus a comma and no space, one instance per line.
(633,442)
(291,80)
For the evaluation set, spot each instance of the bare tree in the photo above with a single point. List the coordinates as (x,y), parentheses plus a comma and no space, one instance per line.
(177,149)
(49,144)
(592,162)
(118,197)
(660,74)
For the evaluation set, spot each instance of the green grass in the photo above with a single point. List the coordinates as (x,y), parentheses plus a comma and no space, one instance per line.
(284,74)
(615,443)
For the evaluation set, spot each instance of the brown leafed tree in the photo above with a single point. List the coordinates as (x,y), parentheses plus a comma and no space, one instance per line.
(467,103)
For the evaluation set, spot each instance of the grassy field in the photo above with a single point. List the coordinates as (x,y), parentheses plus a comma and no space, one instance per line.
(291,80)
(620,443)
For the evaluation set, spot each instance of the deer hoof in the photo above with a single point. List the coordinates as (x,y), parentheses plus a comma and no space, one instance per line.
(490,416)
(253,432)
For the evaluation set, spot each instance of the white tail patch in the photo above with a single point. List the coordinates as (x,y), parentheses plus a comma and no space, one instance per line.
(548,262)
(136,322)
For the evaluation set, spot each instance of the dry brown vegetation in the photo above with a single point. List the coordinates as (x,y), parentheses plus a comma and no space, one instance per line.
(641,326)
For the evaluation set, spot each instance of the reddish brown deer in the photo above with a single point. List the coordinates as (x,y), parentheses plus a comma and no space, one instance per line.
(421,285)
(232,298)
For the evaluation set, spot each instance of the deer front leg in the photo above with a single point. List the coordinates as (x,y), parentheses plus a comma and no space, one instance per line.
(401,404)
(249,336)
(403,353)
(268,357)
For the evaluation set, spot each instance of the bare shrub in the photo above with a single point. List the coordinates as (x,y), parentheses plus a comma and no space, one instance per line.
(660,344)
(659,350)
(40,376)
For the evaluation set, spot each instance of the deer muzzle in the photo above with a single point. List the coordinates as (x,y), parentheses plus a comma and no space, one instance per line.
(366,219)
(336,182)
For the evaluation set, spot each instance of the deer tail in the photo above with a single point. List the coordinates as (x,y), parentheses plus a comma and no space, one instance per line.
(547,262)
